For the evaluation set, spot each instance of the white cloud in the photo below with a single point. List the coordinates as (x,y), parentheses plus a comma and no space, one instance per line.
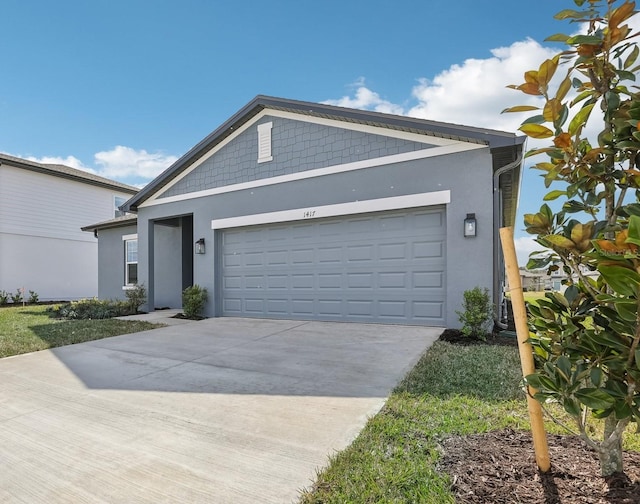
(474,92)
(524,246)
(124,163)
(71,161)
(366,99)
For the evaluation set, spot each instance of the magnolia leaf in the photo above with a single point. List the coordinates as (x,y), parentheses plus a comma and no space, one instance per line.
(584,40)
(633,232)
(580,119)
(563,141)
(563,89)
(628,311)
(633,56)
(560,241)
(595,398)
(546,70)
(554,195)
(520,108)
(621,14)
(536,131)
(557,37)
(569,13)
(552,110)
(596,376)
(622,280)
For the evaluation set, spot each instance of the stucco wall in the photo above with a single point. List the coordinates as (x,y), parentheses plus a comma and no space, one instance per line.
(468,175)
(111,258)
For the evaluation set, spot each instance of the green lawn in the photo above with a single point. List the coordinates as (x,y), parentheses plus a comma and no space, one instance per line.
(29,328)
(452,390)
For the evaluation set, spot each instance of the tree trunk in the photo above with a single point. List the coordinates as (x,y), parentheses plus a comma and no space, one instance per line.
(610,450)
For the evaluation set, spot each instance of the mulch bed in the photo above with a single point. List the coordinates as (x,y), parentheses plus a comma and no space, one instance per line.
(499,467)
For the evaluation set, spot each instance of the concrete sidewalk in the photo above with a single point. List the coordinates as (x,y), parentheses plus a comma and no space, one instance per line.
(217,411)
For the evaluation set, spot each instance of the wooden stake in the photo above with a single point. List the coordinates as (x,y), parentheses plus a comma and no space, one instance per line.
(526,351)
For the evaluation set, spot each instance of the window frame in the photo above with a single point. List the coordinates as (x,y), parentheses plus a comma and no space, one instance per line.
(127,240)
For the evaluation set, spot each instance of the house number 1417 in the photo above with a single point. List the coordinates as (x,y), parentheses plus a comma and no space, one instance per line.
(309,213)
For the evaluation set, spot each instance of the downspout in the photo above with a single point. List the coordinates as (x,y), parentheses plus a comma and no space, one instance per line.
(498,271)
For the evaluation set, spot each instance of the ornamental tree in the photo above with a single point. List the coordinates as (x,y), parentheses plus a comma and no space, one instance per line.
(586,340)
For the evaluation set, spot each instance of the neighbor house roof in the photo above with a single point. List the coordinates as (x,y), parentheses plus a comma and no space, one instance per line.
(123,220)
(496,140)
(66,172)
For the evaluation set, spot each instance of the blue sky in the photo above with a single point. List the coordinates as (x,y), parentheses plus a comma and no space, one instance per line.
(123,88)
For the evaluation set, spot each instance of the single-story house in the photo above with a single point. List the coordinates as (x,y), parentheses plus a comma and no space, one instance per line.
(307,211)
(42,207)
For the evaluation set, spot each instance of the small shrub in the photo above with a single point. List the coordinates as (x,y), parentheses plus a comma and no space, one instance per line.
(33,297)
(193,300)
(4,297)
(477,313)
(136,297)
(17,297)
(91,309)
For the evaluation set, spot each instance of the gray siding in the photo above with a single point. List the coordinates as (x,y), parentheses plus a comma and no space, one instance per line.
(468,175)
(111,260)
(297,146)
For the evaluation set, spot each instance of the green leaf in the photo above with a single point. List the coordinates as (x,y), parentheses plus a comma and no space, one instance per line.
(627,310)
(633,56)
(557,37)
(564,366)
(536,130)
(596,376)
(584,39)
(560,241)
(572,407)
(580,119)
(595,398)
(520,108)
(634,230)
(623,280)
(552,195)
(569,14)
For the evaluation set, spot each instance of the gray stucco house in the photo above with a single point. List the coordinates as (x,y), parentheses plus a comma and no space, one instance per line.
(301,210)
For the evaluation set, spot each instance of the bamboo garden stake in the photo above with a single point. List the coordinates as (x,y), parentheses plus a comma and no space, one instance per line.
(526,352)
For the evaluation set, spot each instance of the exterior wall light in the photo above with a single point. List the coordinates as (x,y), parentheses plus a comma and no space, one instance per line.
(200,246)
(470,225)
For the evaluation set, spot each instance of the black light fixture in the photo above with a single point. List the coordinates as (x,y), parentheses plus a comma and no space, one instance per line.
(470,225)
(200,246)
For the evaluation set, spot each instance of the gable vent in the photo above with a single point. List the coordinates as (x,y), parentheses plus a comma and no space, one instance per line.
(264,142)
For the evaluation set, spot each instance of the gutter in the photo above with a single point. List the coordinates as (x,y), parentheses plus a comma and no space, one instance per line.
(498,271)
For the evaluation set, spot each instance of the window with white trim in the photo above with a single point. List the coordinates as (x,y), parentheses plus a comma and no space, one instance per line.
(131,261)
(264,142)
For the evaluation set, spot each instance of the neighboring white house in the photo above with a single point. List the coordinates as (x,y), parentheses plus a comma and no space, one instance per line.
(42,208)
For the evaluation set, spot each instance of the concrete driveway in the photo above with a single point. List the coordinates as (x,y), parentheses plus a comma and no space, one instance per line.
(216,411)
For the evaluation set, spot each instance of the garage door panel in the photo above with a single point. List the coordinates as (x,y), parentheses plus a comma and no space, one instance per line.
(380,267)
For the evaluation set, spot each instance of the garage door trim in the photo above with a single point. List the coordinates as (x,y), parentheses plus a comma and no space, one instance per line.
(340,209)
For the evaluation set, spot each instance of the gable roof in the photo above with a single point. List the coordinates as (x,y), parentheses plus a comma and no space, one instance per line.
(492,138)
(66,172)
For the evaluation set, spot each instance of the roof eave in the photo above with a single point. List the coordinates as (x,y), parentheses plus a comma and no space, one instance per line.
(491,138)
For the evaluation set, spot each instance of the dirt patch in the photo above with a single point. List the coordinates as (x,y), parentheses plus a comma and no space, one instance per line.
(499,468)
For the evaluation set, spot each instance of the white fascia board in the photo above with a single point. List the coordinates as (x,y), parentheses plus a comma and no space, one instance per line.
(443,146)
(351,208)
(129,237)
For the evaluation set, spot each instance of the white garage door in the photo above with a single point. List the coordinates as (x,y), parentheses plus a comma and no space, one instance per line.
(386,267)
